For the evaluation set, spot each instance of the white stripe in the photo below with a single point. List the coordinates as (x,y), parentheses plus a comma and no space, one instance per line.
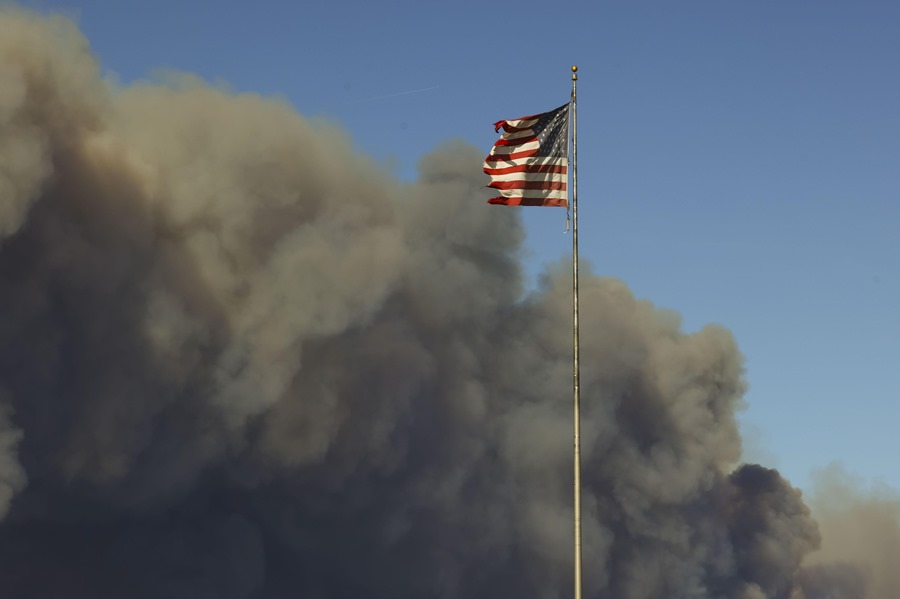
(555,177)
(517,135)
(519,123)
(505,155)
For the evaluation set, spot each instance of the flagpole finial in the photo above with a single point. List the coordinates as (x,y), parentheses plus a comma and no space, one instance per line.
(574,68)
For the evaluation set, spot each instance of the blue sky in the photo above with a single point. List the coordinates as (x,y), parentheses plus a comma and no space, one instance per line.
(739,162)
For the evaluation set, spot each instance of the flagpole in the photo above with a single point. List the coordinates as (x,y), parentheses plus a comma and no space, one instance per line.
(575,365)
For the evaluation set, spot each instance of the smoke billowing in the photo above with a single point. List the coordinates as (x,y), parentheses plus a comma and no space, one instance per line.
(239,361)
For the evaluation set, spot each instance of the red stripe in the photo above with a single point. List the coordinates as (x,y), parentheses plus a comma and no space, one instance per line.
(554,202)
(510,157)
(506,149)
(528,168)
(515,142)
(542,185)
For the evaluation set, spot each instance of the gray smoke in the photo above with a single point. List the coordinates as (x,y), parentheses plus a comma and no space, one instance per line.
(238,360)
(861,539)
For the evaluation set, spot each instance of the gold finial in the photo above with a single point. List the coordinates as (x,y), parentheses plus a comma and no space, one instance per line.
(574,69)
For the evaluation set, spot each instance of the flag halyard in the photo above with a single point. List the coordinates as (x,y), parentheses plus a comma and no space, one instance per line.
(529,164)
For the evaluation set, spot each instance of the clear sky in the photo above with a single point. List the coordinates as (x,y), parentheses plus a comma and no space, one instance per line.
(739,161)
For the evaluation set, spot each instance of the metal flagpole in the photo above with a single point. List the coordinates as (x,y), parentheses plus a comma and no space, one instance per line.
(575,365)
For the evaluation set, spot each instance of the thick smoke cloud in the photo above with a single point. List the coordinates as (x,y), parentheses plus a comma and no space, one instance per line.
(238,360)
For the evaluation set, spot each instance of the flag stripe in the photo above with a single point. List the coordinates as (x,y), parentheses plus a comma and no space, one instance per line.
(555,167)
(517,134)
(532,175)
(517,124)
(530,144)
(529,183)
(510,158)
(541,185)
(523,201)
(516,141)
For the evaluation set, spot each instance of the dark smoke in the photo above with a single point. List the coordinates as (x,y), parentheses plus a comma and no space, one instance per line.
(237,360)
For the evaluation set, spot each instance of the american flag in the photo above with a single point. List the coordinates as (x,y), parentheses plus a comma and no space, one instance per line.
(529,163)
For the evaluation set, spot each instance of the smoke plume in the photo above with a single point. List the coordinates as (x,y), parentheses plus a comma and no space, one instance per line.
(240,361)
(861,538)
